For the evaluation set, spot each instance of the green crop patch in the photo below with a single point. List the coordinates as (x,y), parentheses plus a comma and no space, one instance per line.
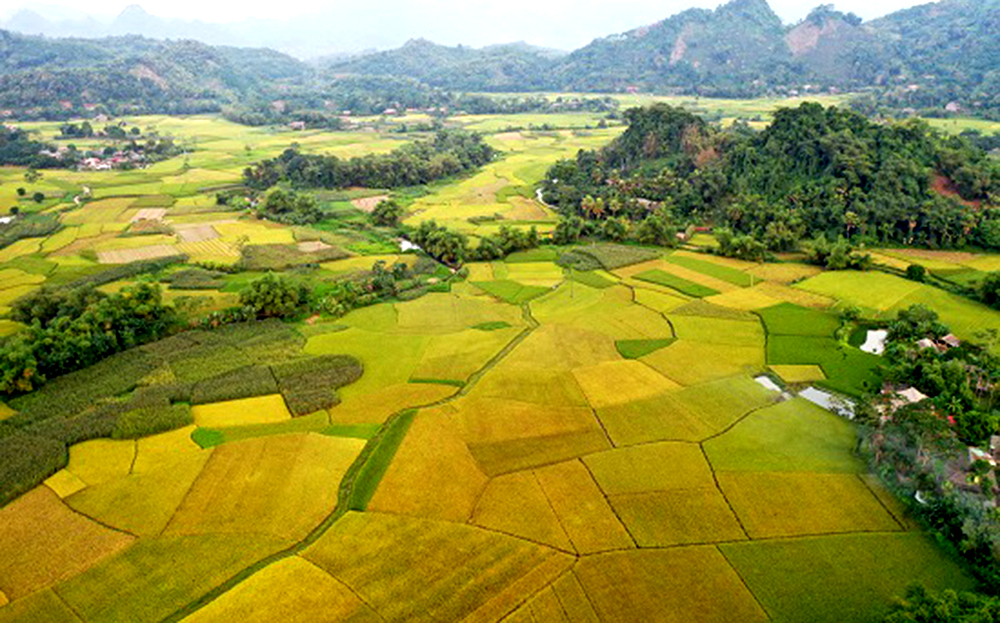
(843,578)
(795,435)
(541,254)
(511,291)
(848,370)
(791,319)
(718,271)
(449,382)
(634,349)
(494,325)
(591,278)
(210,437)
(377,463)
(355,431)
(663,278)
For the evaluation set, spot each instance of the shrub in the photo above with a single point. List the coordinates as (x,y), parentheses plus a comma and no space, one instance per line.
(916,272)
(26,460)
(196,279)
(309,385)
(387,213)
(146,421)
(273,297)
(245,382)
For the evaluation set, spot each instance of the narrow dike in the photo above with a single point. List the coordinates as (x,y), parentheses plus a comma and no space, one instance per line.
(345,493)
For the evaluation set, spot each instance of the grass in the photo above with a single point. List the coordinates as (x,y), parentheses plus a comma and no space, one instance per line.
(663,278)
(375,467)
(511,291)
(848,578)
(636,349)
(717,271)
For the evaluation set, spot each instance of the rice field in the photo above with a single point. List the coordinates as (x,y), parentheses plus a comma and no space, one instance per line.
(535,444)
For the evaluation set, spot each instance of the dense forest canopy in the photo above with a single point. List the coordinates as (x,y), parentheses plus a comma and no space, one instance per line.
(448,153)
(813,172)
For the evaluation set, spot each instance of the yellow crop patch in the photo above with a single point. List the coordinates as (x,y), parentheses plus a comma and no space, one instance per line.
(101,460)
(799,374)
(431,458)
(678,517)
(282,485)
(44,605)
(780,504)
(64,483)
(617,382)
(259,410)
(376,405)
(690,363)
(677,585)
(516,504)
(582,509)
(141,504)
(291,590)
(718,331)
(42,542)
(746,298)
(383,557)
(650,467)
(161,450)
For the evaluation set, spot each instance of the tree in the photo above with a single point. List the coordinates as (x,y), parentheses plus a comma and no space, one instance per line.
(989,289)
(388,213)
(273,296)
(31,175)
(922,606)
(38,197)
(290,208)
(21,192)
(916,272)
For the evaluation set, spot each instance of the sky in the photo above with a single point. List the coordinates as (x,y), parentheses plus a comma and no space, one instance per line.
(563,24)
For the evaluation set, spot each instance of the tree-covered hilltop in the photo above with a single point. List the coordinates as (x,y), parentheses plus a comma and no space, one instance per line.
(448,153)
(814,172)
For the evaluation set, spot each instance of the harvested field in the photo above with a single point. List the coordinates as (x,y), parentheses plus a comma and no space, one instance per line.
(196,233)
(124,256)
(368,204)
(149,214)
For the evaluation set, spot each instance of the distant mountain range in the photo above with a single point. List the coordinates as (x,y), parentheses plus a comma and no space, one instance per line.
(925,57)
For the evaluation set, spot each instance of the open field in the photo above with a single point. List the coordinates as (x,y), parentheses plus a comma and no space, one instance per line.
(533,443)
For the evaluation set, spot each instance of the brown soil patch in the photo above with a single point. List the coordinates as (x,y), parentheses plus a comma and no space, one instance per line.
(125,256)
(42,542)
(955,257)
(946,188)
(367,204)
(313,246)
(150,214)
(197,233)
(82,244)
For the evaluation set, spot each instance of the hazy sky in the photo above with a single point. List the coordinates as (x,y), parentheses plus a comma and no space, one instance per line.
(557,23)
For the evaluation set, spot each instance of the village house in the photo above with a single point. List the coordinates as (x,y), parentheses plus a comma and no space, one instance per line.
(297,125)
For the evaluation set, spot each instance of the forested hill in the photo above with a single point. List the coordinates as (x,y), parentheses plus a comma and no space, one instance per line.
(134,74)
(813,172)
(513,67)
(927,56)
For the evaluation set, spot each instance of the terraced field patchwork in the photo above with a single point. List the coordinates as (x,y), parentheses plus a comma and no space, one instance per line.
(292,590)
(675,585)
(582,509)
(382,557)
(282,486)
(678,517)
(42,542)
(516,504)
(650,467)
(148,590)
(844,578)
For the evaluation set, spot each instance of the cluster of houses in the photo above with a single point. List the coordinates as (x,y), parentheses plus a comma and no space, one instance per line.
(119,160)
